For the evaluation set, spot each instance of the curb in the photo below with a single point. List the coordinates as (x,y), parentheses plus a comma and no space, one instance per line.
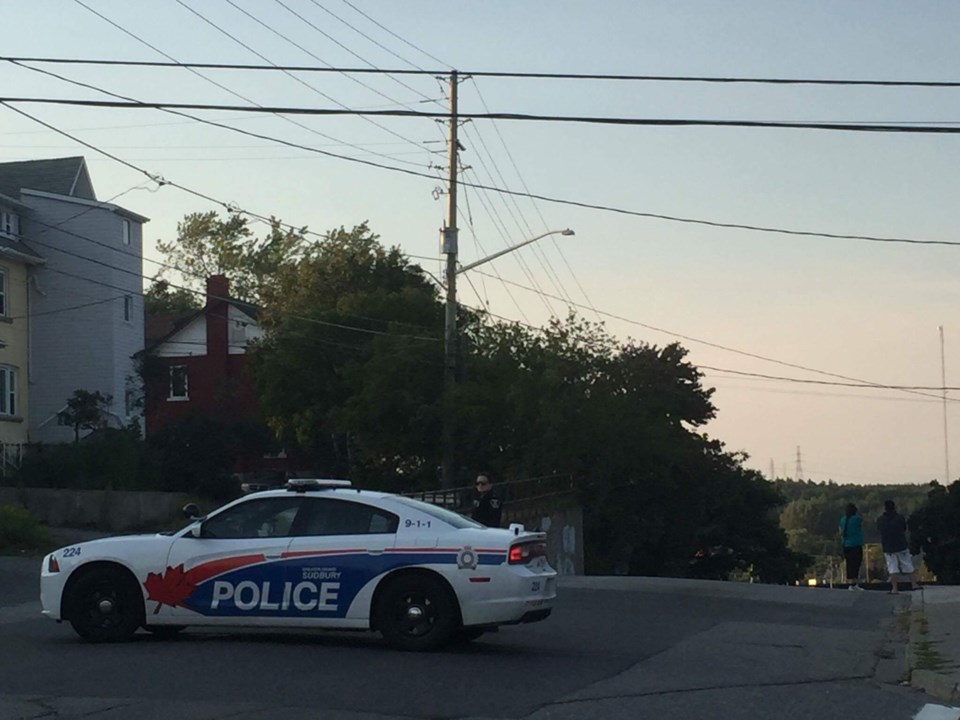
(944,686)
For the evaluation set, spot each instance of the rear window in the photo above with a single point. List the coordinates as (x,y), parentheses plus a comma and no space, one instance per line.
(448,516)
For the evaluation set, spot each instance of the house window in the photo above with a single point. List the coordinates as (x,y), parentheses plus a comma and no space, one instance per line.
(3,292)
(178,383)
(9,223)
(127,308)
(126,231)
(8,390)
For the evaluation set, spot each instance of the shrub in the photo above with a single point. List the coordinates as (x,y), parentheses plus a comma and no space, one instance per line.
(20,530)
(113,459)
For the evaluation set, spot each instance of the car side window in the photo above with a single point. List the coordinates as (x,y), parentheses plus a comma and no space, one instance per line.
(327,516)
(263,518)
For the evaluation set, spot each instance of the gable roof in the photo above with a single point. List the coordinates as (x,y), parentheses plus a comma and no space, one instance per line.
(60,176)
(160,328)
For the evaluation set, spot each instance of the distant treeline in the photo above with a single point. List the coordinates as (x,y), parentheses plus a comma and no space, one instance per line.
(813,510)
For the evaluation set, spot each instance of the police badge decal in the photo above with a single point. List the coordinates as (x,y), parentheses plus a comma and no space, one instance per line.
(467,559)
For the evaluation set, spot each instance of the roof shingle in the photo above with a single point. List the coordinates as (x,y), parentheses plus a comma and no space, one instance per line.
(60,176)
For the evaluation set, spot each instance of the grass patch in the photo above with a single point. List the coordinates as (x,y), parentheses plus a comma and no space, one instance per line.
(21,532)
(927,657)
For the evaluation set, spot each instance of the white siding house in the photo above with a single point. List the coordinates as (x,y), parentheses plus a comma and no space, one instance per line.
(86,302)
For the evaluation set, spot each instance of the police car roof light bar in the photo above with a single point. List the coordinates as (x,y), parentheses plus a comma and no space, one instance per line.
(304,484)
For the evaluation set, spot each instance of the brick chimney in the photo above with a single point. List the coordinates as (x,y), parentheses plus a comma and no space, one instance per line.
(218,290)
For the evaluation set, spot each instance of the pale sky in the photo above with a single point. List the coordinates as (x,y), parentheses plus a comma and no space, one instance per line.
(861,309)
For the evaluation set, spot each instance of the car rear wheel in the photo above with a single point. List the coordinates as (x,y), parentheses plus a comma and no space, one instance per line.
(105,605)
(417,612)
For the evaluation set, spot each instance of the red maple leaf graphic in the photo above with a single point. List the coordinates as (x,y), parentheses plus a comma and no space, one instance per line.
(171,588)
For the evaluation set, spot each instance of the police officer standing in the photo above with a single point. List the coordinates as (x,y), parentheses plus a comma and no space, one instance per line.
(487,507)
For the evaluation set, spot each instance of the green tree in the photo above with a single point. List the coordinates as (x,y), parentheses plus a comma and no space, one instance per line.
(350,368)
(208,245)
(161,298)
(350,372)
(85,411)
(935,530)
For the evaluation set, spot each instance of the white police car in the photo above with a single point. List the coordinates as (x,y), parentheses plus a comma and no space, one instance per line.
(316,555)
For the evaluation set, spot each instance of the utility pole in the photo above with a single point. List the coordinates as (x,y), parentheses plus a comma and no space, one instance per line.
(943,380)
(450,349)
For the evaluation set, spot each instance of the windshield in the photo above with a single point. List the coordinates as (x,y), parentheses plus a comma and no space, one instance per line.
(448,516)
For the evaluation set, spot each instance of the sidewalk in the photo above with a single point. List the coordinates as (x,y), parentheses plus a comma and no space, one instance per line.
(934,650)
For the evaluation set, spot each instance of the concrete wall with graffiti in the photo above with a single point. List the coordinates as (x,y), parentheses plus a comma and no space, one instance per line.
(561,519)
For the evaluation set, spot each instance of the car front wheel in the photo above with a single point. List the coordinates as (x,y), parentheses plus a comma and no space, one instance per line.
(105,605)
(417,612)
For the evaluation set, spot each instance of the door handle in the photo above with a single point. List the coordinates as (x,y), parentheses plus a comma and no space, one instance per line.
(374,552)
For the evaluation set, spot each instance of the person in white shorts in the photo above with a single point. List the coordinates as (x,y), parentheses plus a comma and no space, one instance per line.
(893,538)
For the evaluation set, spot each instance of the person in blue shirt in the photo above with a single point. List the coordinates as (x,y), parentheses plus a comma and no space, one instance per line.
(851,535)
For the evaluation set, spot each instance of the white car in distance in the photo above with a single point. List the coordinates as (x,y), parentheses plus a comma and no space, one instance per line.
(318,554)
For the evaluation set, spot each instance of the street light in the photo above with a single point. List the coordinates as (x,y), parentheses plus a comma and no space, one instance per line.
(450,334)
(488,258)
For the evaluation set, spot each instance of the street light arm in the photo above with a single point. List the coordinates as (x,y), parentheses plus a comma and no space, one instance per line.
(494,256)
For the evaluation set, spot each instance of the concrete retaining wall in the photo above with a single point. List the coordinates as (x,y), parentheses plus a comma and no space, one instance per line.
(106,510)
(562,520)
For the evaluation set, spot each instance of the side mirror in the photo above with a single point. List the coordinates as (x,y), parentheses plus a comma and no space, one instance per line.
(191,511)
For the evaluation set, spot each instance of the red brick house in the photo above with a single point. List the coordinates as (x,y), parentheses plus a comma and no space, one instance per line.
(196,364)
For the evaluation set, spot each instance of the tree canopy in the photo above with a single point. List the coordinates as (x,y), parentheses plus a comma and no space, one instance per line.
(935,530)
(349,377)
(350,370)
(85,410)
(162,298)
(208,245)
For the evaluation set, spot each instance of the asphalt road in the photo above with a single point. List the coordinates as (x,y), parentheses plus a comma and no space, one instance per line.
(614,648)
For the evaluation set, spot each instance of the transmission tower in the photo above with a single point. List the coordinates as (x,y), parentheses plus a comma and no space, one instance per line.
(799,465)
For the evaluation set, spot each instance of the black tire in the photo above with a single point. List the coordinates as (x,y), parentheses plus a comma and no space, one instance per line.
(105,605)
(164,632)
(417,612)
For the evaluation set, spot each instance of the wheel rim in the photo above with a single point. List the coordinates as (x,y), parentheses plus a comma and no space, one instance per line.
(416,614)
(102,607)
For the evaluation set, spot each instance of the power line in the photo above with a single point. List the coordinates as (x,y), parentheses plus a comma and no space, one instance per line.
(289,74)
(501,74)
(522,221)
(864,384)
(523,184)
(341,45)
(726,348)
(390,32)
(503,233)
(479,186)
(195,72)
(363,34)
(430,115)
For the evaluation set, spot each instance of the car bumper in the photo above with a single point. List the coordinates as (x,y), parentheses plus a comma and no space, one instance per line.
(511,597)
(51,591)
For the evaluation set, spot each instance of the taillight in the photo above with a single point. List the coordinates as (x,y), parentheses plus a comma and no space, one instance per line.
(52,565)
(522,553)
